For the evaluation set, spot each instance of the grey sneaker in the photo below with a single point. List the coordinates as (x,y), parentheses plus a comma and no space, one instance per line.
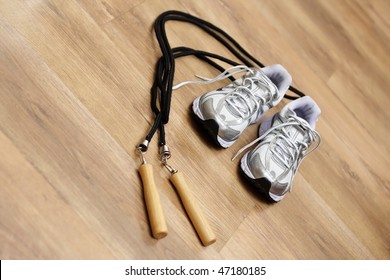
(284,139)
(227,111)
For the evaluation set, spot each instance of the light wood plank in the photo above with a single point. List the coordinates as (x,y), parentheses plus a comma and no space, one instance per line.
(74,102)
(107,10)
(276,232)
(36,220)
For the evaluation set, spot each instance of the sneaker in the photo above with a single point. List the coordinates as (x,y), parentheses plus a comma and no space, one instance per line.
(284,139)
(226,112)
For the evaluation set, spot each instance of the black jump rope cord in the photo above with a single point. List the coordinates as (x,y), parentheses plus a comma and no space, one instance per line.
(161,91)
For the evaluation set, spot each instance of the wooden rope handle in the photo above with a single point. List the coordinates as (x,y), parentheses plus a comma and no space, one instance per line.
(199,222)
(153,203)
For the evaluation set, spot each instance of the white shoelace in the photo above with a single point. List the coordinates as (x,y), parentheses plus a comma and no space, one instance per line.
(242,98)
(285,150)
(224,75)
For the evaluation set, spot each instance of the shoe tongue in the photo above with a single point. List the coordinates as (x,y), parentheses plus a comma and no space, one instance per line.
(271,88)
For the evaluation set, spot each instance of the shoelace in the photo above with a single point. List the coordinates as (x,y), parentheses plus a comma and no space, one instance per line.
(242,98)
(288,156)
(224,75)
(284,149)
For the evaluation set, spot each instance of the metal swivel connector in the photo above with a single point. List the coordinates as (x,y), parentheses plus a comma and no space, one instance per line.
(165,154)
(141,150)
(144,146)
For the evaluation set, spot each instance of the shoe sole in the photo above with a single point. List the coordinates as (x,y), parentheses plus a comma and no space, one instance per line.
(211,126)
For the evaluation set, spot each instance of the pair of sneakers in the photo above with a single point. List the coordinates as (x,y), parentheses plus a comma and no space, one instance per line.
(285,138)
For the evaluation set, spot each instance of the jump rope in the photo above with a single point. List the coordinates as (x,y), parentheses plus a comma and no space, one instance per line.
(161,95)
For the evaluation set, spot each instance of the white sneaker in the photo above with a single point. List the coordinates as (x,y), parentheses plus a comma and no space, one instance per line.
(228,111)
(284,139)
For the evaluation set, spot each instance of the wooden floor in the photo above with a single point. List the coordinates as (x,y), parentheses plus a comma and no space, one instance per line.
(74,87)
